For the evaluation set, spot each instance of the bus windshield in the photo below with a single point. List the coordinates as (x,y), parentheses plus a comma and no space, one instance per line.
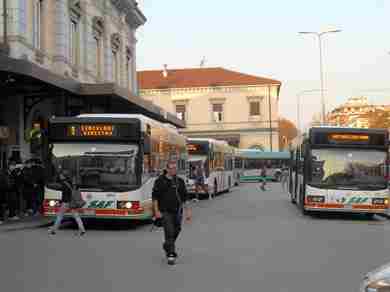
(348,169)
(97,167)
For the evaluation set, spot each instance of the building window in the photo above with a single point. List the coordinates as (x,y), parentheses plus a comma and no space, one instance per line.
(217,109)
(254,108)
(74,42)
(38,27)
(181,112)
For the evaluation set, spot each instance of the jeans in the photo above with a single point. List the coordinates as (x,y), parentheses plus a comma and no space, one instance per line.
(172,227)
(60,216)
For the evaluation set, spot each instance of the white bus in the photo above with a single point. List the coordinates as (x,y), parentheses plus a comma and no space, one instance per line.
(341,169)
(114,160)
(216,159)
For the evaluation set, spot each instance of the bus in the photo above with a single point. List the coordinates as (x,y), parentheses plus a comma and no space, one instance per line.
(340,169)
(252,160)
(216,159)
(114,160)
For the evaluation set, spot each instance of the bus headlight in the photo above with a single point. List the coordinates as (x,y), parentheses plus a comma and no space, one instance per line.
(128,205)
(52,203)
(316,199)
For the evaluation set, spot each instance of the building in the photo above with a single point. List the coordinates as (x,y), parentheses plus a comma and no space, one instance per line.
(357,112)
(63,58)
(218,103)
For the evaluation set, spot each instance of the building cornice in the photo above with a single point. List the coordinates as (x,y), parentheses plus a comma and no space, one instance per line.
(248,88)
(134,16)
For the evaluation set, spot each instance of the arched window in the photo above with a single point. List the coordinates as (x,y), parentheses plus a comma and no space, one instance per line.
(116,47)
(257,147)
(74,32)
(97,31)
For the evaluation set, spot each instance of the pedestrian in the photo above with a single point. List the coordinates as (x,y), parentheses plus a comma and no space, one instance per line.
(284,178)
(263,178)
(13,195)
(199,183)
(3,196)
(68,188)
(28,188)
(169,199)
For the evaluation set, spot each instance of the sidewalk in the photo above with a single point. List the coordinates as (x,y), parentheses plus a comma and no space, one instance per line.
(29,222)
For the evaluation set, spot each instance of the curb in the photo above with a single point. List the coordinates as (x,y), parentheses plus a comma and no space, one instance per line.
(28,223)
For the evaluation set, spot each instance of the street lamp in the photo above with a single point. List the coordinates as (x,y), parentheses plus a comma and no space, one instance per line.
(299,94)
(319,36)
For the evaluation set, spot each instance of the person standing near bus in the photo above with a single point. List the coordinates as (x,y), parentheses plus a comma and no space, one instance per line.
(169,197)
(263,177)
(199,183)
(67,186)
(284,178)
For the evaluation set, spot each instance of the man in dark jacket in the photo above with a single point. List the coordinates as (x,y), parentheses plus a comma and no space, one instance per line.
(67,185)
(169,198)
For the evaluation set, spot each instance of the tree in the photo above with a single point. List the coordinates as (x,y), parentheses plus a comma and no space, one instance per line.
(287,132)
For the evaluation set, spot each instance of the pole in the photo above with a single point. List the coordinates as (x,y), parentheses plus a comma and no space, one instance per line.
(270,118)
(322,81)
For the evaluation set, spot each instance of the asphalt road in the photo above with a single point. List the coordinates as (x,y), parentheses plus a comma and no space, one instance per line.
(245,240)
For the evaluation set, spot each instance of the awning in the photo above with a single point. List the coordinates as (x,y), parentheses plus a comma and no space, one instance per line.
(19,77)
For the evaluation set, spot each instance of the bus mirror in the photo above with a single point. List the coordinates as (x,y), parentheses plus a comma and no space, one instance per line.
(147,146)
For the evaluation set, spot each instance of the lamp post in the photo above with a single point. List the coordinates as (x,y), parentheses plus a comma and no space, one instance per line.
(299,95)
(319,36)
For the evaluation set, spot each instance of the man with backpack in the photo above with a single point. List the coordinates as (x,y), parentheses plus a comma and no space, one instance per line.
(169,198)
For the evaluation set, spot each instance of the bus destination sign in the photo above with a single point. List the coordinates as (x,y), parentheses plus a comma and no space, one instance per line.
(348,138)
(91,130)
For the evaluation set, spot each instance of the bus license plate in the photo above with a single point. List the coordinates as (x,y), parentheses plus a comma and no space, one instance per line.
(89,212)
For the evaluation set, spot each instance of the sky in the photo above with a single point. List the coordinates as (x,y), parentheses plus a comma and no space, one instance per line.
(261,38)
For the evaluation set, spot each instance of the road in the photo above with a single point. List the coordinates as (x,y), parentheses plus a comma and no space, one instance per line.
(245,240)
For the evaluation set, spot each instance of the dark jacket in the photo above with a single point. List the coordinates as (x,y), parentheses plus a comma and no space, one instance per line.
(169,193)
(66,187)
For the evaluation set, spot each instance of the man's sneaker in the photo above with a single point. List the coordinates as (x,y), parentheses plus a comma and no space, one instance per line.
(51,232)
(14,218)
(171,259)
(80,233)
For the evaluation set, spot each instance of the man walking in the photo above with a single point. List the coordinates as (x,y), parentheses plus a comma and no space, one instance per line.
(169,198)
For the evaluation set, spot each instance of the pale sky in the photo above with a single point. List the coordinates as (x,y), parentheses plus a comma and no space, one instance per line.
(261,38)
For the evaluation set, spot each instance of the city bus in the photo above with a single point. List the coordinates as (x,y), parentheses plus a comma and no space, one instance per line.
(252,160)
(340,169)
(114,161)
(216,159)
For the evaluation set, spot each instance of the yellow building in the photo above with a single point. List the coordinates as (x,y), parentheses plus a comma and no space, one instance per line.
(218,103)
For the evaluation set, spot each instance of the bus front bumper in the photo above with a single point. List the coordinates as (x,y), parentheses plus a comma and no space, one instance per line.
(349,209)
(102,214)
